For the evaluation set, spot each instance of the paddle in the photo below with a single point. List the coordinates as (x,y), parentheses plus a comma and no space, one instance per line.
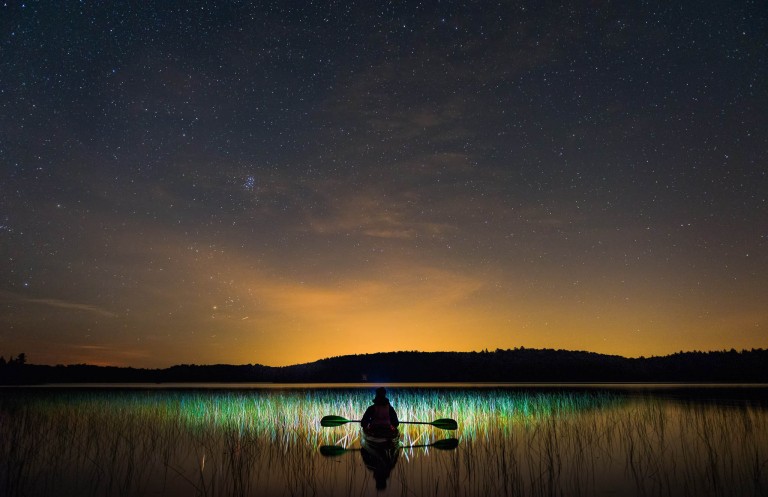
(445,423)
(447,444)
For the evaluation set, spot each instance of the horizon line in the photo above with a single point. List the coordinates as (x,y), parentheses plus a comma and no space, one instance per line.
(483,351)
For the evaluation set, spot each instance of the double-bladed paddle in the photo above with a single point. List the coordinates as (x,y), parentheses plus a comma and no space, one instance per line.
(445,423)
(446,444)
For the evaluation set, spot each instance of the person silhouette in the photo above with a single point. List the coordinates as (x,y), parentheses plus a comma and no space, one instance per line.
(380,417)
(380,448)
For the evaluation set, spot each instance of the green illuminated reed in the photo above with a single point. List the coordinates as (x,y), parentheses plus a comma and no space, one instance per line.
(266,442)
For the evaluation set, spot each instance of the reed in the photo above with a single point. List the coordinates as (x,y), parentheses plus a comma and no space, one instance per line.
(241,442)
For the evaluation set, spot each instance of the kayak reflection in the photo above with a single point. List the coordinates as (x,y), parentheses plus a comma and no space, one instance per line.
(338,450)
(380,451)
(380,454)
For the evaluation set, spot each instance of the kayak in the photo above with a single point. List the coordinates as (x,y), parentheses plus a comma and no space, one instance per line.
(381,438)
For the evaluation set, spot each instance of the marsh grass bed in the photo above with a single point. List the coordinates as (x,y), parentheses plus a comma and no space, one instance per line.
(266,442)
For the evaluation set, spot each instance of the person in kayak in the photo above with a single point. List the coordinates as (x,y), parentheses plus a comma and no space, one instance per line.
(381,416)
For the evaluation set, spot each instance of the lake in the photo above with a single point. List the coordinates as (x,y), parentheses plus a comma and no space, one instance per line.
(265,440)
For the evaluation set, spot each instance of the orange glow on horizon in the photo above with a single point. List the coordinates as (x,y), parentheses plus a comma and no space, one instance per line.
(257,317)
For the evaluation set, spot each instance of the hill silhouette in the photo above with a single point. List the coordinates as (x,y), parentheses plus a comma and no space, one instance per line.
(511,365)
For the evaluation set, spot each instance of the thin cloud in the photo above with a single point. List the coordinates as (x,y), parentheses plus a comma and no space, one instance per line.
(377,216)
(75,306)
(406,286)
(59,304)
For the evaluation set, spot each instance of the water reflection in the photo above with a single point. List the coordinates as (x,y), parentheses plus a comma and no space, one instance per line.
(381,462)
(269,442)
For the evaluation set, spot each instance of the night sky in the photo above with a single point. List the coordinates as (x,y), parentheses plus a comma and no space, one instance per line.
(279,182)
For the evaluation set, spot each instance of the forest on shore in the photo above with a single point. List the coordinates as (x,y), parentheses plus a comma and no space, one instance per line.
(510,365)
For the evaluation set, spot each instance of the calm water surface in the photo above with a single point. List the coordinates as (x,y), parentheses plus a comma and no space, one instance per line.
(266,440)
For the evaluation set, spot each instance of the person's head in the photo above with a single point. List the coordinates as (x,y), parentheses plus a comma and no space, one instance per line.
(381,396)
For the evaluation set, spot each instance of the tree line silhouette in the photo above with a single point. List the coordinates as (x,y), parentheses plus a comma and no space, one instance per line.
(18,360)
(510,365)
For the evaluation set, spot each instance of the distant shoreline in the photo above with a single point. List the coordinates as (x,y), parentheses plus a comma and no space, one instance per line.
(512,366)
(405,385)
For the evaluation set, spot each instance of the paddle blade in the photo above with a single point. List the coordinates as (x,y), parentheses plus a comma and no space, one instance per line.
(330,421)
(445,424)
(332,450)
(447,444)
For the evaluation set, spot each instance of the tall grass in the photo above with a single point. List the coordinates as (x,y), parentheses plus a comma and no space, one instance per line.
(265,442)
